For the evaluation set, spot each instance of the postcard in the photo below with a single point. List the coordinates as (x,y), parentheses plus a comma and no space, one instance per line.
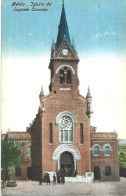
(63,87)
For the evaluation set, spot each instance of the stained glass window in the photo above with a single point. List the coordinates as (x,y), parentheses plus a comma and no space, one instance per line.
(66,129)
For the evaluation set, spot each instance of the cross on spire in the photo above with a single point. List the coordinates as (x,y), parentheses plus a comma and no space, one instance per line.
(63,2)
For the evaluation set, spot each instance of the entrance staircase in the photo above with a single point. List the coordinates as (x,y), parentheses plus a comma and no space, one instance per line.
(89,177)
(79,179)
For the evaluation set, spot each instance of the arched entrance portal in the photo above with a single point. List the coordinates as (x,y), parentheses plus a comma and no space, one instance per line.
(66,160)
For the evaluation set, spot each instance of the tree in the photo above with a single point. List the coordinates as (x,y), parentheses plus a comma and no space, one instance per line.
(11,155)
(122,156)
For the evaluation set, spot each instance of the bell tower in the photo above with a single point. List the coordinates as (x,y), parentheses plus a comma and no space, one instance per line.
(64,61)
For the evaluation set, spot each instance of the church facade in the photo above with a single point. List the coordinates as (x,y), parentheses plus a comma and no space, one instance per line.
(61,135)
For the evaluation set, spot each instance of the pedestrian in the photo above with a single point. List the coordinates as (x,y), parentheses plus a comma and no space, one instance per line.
(58,178)
(54,179)
(48,179)
(62,179)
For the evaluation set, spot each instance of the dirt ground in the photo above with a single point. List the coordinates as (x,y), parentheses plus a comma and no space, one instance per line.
(32,188)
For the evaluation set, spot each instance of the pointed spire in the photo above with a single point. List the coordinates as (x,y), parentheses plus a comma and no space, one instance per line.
(53,45)
(88,93)
(63,31)
(41,93)
(41,97)
(89,103)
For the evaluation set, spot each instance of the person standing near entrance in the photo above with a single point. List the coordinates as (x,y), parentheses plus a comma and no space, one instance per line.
(58,176)
(54,179)
(48,179)
(62,179)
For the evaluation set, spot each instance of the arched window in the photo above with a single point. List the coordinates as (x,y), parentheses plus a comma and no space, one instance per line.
(66,129)
(107,151)
(69,81)
(107,171)
(62,76)
(65,76)
(96,149)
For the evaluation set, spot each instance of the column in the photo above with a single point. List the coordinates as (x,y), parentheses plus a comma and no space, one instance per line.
(58,163)
(75,165)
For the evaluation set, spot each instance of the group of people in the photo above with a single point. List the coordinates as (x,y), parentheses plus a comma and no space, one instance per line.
(47,179)
(59,177)
(67,172)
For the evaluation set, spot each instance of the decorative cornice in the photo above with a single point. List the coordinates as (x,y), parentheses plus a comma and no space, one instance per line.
(66,113)
(66,147)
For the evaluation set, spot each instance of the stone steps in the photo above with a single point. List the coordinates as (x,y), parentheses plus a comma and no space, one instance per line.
(78,179)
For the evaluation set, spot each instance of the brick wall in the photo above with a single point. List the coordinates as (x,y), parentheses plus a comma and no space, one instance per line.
(54,104)
(102,161)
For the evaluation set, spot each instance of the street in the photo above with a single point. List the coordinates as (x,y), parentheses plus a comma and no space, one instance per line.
(32,188)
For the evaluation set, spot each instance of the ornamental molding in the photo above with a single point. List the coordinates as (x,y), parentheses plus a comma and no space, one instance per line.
(93,147)
(62,66)
(65,113)
(66,147)
(101,148)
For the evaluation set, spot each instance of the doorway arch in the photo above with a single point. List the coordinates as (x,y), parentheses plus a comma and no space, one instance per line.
(67,150)
(66,160)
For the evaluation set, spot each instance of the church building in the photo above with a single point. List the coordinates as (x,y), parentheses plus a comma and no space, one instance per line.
(61,135)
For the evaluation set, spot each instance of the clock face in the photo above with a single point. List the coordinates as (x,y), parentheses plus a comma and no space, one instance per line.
(65,52)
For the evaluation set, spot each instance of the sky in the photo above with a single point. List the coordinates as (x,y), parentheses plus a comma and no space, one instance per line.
(98,28)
